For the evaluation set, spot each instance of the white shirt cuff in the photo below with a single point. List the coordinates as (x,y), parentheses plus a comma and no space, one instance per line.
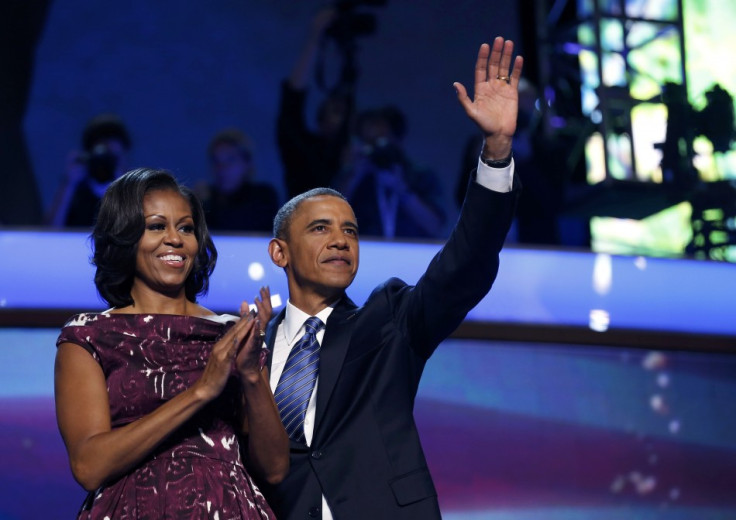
(496,179)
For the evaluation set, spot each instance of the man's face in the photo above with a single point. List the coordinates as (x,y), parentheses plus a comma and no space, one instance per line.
(332,116)
(376,132)
(321,252)
(229,167)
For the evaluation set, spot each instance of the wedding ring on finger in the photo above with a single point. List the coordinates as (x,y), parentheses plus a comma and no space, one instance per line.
(504,78)
(262,334)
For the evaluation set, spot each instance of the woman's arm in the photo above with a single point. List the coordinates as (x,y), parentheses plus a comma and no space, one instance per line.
(267,444)
(98,453)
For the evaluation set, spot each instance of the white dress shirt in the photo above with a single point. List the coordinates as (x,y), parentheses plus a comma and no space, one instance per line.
(289,332)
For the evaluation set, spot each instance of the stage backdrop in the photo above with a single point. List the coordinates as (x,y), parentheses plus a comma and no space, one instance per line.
(512,431)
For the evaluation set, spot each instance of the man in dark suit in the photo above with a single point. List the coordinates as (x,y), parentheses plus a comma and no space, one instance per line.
(355,451)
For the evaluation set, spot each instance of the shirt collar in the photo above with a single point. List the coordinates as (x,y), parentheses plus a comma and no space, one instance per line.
(294,319)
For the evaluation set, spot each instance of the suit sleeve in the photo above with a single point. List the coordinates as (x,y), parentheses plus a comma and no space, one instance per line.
(462,272)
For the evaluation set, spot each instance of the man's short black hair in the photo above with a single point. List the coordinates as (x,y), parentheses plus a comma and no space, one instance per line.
(391,114)
(284,216)
(234,137)
(105,126)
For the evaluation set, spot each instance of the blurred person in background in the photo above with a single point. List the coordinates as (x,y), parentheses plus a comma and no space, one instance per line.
(312,157)
(104,157)
(232,200)
(392,197)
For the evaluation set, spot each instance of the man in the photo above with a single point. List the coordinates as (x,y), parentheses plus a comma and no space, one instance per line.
(356,453)
(391,196)
(106,143)
(234,200)
(311,157)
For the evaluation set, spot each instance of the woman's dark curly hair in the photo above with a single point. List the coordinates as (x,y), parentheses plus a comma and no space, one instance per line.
(120,225)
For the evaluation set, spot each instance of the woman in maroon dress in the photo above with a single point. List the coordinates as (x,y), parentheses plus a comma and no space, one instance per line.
(161,403)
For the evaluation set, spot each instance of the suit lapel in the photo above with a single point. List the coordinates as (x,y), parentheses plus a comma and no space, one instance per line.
(338,332)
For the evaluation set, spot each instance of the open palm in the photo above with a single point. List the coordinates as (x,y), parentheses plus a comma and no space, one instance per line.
(496,98)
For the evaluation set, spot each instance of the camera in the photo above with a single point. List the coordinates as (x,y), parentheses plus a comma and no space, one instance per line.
(101,163)
(350,22)
(384,154)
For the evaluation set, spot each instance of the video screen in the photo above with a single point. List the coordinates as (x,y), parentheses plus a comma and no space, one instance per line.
(641,71)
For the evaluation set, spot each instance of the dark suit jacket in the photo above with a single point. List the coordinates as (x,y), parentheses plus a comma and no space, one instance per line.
(366,457)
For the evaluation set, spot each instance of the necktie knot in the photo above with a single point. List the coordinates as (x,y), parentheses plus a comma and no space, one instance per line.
(313,325)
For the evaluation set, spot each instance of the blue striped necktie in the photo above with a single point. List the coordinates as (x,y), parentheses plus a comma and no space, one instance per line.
(298,379)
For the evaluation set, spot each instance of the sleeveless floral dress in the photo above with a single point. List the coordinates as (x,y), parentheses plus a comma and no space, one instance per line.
(197,473)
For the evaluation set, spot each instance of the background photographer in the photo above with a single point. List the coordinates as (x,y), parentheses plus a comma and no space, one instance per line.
(232,199)
(391,196)
(104,157)
(311,158)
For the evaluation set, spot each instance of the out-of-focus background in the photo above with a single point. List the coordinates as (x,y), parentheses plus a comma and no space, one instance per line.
(597,378)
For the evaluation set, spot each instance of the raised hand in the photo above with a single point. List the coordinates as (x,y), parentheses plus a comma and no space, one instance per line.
(251,356)
(496,96)
(263,305)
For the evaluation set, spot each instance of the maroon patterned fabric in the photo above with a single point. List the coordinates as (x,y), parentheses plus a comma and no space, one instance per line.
(197,472)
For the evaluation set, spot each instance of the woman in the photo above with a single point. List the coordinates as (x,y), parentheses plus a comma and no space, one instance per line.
(157,397)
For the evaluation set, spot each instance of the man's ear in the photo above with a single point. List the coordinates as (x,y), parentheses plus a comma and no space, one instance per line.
(277,250)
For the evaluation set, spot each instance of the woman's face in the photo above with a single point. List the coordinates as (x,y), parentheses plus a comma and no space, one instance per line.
(168,247)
